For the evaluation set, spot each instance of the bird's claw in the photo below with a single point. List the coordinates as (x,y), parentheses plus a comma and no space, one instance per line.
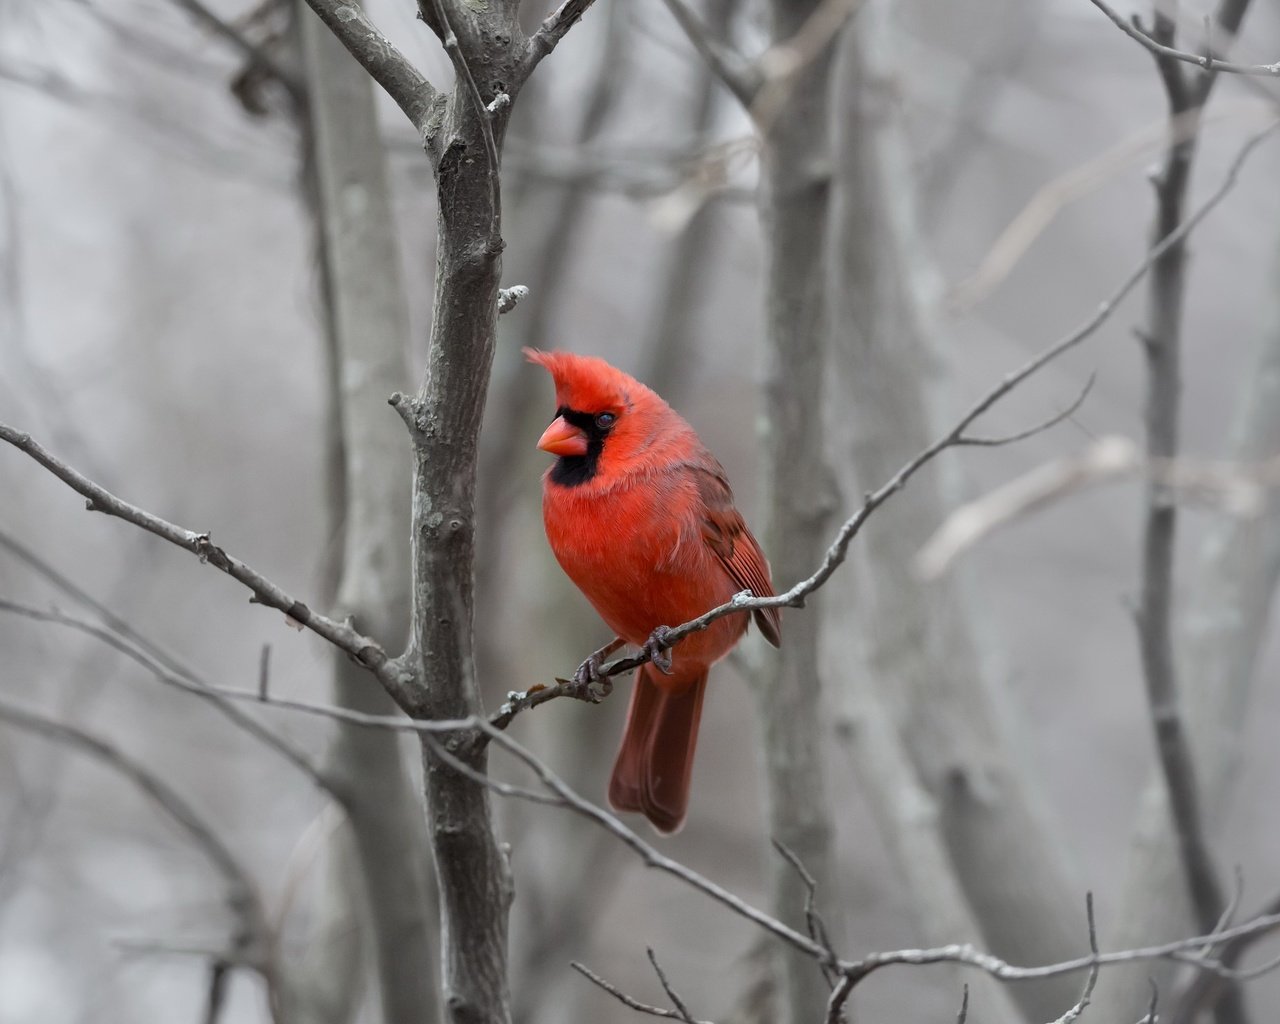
(658,650)
(590,683)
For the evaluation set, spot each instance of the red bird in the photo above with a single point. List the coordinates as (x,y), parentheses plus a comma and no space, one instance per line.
(640,516)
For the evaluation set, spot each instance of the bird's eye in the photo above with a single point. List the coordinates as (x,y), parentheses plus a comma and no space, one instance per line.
(605,420)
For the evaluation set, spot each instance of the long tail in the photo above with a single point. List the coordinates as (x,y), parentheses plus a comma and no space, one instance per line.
(654,767)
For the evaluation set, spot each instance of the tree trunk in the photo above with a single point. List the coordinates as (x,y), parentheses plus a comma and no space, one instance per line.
(471,869)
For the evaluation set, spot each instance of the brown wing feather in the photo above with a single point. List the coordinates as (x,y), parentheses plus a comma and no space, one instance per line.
(726,533)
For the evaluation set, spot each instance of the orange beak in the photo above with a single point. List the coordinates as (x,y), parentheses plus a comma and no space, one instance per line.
(563,438)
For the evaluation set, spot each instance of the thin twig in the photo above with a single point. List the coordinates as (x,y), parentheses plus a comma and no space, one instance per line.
(972,441)
(1073,1014)
(626,1000)
(1150,1018)
(813,920)
(676,1001)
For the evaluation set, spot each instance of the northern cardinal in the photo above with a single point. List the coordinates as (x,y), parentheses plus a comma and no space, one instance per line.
(640,516)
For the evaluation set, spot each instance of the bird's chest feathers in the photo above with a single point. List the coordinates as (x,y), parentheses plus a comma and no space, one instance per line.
(620,537)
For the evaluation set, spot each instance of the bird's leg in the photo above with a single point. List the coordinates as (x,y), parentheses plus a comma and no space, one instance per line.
(588,674)
(658,650)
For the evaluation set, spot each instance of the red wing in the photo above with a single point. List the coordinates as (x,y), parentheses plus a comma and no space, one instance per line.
(727,535)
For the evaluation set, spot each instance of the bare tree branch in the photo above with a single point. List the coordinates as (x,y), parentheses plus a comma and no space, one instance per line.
(390,68)
(1074,1013)
(626,1000)
(813,920)
(973,441)
(554,28)
(682,1011)
(1206,61)
(364,649)
(739,75)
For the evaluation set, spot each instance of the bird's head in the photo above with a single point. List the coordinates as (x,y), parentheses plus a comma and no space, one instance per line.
(605,419)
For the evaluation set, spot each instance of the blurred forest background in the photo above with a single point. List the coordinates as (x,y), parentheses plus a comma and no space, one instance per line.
(162,329)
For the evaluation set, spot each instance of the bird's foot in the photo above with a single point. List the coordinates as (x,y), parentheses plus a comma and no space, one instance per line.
(589,682)
(659,649)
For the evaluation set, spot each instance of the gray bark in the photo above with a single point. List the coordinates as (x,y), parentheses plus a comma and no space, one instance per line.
(921,651)
(794,207)
(472,871)
(366,312)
